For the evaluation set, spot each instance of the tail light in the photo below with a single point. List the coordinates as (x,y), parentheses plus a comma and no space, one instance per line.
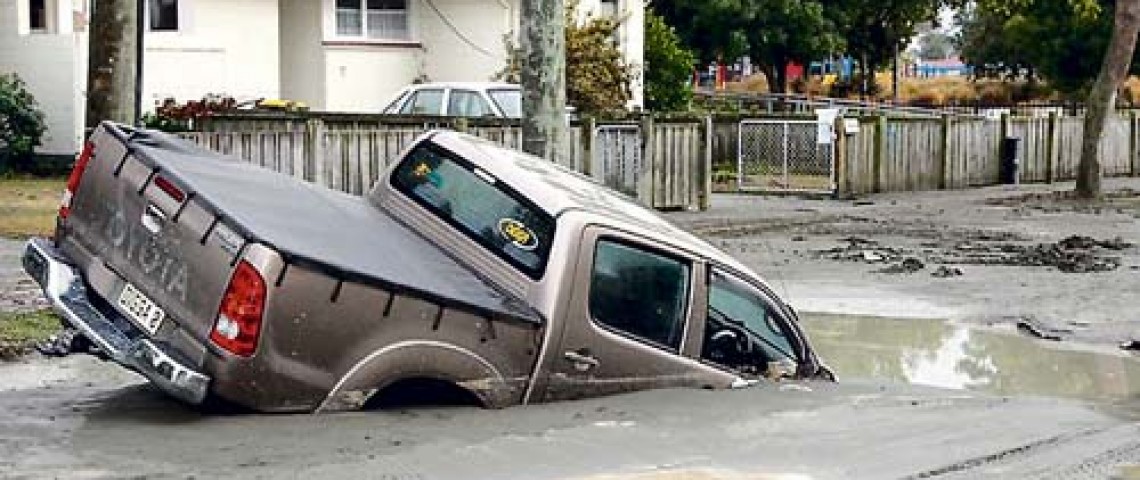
(238,325)
(75,177)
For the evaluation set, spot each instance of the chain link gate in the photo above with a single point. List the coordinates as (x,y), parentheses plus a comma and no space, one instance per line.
(785,156)
(617,157)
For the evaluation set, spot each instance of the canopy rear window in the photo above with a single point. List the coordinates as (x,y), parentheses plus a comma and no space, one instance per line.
(477,204)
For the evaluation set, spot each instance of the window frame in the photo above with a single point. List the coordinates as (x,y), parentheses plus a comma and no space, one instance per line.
(179,19)
(536,273)
(409,101)
(690,291)
(364,35)
(49,14)
(490,111)
(788,321)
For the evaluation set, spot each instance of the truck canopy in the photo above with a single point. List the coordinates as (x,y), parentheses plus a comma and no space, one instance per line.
(343,235)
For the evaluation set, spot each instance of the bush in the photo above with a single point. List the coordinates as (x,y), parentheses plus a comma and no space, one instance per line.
(668,67)
(171,116)
(597,77)
(21,124)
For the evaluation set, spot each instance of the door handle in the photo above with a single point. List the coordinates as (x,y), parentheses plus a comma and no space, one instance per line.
(583,362)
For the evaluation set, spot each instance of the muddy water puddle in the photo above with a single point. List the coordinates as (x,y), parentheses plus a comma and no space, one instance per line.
(947,355)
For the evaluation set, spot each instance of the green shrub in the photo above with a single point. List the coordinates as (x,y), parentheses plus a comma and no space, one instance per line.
(21,124)
(668,67)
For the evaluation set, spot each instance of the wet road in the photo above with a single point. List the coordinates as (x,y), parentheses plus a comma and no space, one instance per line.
(80,418)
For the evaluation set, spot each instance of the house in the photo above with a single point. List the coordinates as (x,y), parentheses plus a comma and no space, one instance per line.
(334,55)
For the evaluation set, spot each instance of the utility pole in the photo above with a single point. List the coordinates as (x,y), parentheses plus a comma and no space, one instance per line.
(543,42)
(113,72)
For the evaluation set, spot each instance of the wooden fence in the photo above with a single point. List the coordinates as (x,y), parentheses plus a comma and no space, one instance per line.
(889,155)
(663,163)
(667,163)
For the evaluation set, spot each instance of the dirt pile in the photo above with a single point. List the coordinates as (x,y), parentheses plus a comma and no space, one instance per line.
(1074,254)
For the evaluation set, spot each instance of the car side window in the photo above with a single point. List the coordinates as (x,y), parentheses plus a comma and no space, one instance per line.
(640,292)
(424,102)
(744,330)
(465,103)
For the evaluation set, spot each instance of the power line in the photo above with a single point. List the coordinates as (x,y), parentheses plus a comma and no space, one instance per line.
(458,33)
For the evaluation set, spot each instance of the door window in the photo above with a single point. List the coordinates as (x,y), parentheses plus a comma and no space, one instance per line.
(745,331)
(465,103)
(640,293)
(424,102)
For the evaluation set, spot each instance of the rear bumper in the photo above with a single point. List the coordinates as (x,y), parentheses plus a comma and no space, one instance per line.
(64,289)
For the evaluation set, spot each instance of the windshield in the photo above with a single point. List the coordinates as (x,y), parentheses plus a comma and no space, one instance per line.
(509,101)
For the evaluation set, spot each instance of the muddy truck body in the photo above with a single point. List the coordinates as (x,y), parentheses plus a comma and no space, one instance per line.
(468,267)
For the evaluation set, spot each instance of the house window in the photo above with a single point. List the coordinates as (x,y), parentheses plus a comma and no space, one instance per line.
(163,15)
(40,15)
(373,19)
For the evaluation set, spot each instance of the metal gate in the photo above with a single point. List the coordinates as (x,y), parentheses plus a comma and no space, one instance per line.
(617,157)
(785,156)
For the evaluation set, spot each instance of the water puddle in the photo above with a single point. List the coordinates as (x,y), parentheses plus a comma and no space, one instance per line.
(941,354)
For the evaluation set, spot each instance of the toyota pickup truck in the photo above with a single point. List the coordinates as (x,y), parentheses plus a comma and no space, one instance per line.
(469,270)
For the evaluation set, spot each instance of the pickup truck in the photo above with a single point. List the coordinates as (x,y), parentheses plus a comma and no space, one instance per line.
(470,271)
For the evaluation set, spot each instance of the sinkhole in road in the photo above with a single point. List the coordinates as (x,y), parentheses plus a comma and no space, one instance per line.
(948,355)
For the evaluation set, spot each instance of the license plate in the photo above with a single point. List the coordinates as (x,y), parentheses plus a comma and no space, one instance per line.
(140,309)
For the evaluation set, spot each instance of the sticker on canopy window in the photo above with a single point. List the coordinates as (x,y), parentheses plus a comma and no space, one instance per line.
(518,234)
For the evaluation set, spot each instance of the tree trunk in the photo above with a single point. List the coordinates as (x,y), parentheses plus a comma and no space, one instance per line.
(1102,98)
(112,72)
(543,78)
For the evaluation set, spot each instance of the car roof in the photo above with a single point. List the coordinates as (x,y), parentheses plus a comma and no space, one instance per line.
(558,190)
(466,85)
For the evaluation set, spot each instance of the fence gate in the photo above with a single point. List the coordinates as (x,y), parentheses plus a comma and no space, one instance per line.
(785,156)
(617,157)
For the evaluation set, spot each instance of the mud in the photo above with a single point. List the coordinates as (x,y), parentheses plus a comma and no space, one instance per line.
(988,256)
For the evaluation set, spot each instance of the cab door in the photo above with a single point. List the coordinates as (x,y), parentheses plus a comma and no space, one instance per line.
(630,321)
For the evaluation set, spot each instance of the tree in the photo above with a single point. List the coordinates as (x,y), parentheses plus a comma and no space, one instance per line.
(874,29)
(1060,42)
(935,45)
(783,31)
(543,78)
(713,29)
(1113,70)
(1118,55)
(668,67)
(112,72)
(21,124)
(597,76)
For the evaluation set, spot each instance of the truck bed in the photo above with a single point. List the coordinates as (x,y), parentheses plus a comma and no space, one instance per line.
(309,225)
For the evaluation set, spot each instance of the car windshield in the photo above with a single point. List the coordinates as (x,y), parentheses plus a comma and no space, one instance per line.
(508,100)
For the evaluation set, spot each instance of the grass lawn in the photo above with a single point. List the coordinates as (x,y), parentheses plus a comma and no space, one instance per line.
(28,205)
(20,331)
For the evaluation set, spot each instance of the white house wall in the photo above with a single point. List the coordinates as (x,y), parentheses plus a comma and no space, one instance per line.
(302,55)
(222,46)
(463,39)
(52,64)
(363,78)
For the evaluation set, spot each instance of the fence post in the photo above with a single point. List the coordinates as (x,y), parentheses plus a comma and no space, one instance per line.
(314,151)
(586,142)
(880,152)
(461,125)
(705,164)
(841,188)
(649,164)
(1133,155)
(944,180)
(1051,150)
